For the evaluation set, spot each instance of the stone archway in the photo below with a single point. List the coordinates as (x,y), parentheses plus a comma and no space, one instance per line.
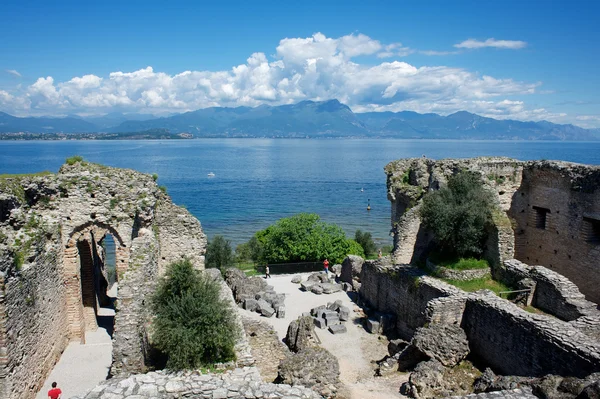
(80,275)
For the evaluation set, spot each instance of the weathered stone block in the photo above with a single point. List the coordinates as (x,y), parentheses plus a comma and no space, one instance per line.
(251,304)
(320,323)
(316,311)
(296,279)
(316,289)
(330,288)
(265,309)
(331,320)
(344,313)
(373,326)
(281,312)
(337,329)
(307,285)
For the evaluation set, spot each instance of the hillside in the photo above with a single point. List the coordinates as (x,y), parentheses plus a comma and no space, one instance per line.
(306,119)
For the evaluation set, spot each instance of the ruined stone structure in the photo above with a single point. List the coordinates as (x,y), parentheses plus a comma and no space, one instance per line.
(52,272)
(550,213)
(500,334)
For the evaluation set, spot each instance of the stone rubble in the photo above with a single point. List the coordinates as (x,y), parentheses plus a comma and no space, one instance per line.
(254,294)
(239,383)
(331,316)
(320,283)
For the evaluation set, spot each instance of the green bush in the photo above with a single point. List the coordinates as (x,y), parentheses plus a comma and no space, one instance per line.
(74,159)
(300,238)
(194,327)
(459,215)
(366,242)
(218,253)
(459,263)
(154,176)
(354,248)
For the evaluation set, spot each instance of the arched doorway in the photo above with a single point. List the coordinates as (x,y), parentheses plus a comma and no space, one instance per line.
(94,257)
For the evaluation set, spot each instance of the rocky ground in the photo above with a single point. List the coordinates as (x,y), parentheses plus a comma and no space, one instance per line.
(356,350)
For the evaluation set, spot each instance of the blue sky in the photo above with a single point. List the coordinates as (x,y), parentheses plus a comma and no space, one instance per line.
(527,60)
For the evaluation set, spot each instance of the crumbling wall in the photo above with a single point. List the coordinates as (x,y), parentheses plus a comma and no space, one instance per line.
(402,291)
(50,227)
(514,342)
(408,180)
(557,215)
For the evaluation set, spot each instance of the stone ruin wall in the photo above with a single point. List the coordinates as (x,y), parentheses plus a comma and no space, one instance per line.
(56,223)
(557,215)
(408,180)
(500,334)
(550,213)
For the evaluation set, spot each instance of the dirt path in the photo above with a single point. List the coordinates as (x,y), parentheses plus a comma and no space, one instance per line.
(82,367)
(355,350)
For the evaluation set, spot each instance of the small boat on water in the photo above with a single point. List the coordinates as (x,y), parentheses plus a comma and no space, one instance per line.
(211,174)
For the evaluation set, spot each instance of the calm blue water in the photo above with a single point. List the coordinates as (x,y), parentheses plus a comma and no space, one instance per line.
(258,181)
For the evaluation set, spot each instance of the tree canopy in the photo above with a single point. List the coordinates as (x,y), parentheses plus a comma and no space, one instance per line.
(194,326)
(218,253)
(459,215)
(301,238)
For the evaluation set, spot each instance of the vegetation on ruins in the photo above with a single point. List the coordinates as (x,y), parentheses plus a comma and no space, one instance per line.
(302,238)
(194,327)
(477,284)
(365,240)
(218,253)
(74,159)
(459,215)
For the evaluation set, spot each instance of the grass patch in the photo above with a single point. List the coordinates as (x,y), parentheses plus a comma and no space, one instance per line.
(20,175)
(459,263)
(478,284)
(248,267)
(74,159)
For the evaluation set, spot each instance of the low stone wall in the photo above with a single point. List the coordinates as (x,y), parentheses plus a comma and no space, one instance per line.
(460,275)
(553,293)
(515,342)
(403,291)
(240,383)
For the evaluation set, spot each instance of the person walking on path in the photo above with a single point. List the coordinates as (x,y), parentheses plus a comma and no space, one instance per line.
(379,254)
(326,266)
(54,393)
(267,271)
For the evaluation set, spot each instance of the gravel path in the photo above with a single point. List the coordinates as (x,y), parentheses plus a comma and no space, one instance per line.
(82,367)
(355,349)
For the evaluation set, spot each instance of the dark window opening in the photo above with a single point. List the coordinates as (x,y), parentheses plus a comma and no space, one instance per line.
(591,230)
(540,217)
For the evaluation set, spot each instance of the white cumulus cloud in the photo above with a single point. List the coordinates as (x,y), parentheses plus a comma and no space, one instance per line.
(504,44)
(312,68)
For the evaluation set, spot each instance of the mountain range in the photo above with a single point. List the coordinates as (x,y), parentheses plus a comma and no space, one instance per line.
(306,119)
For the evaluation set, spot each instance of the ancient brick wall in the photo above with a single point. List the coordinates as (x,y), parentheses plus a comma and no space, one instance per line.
(403,292)
(33,320)
(49,233)
(557,215)
(514,342)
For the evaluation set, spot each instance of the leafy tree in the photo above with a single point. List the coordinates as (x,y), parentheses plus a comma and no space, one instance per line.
(194,326)
(354,248)
(243,252)
(459,215)
(218,253)
(300,238)
(366,242)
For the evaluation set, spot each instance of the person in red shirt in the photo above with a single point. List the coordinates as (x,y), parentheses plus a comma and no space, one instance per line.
(326,266)
(54,393)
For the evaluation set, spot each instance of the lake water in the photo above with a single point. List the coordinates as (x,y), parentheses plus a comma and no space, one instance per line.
(258,181)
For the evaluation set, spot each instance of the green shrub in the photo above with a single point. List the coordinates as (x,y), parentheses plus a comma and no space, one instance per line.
(366,242)
(154,176)
(218,253)
(194,327)
(459,215)
(74,159)
(163,189)
(354,248)
(300,238)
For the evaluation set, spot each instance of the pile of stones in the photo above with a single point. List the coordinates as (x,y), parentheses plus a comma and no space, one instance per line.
(267,303)
(319,283)
(331,317)
(254,294)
